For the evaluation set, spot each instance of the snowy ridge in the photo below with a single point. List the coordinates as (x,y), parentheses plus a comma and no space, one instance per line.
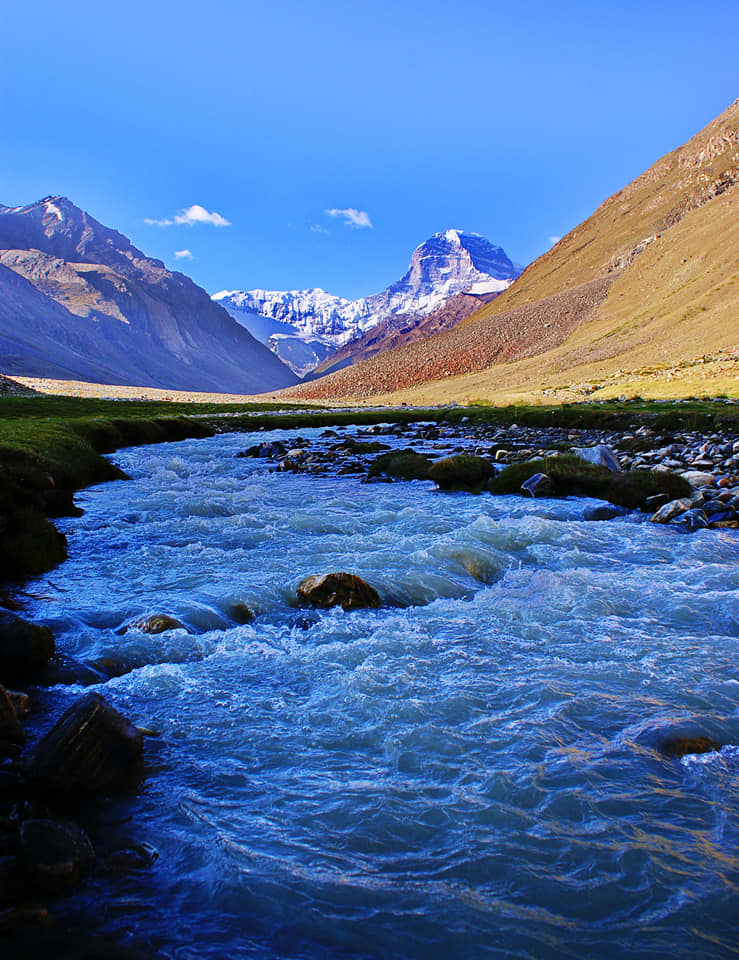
(446,264)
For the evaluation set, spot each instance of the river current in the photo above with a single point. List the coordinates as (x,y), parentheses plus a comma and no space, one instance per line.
(471,771)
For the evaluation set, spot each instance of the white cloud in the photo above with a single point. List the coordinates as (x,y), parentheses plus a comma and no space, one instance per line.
(352,218)
(182,255)
(317,228)
(554,240)
(190,216)
(198,214)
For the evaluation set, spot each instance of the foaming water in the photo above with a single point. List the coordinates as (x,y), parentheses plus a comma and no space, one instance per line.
(471,771)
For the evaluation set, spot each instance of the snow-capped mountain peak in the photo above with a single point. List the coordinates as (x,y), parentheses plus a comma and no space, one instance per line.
(304,326)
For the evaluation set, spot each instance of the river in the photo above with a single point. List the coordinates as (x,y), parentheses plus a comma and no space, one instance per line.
(471,771)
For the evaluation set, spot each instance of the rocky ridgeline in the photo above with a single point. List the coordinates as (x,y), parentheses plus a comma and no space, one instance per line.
(708,463)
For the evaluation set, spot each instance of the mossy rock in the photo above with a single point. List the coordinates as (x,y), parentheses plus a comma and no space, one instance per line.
(400,465)
(572,476)
(461,472)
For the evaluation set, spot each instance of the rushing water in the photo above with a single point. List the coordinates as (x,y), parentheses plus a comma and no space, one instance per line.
(471,771)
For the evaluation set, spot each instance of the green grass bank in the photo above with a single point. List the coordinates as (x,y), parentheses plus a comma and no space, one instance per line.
(52,446)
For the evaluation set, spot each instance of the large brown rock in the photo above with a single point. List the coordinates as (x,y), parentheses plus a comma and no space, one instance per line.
(337,589)
(25,648)
(92,749)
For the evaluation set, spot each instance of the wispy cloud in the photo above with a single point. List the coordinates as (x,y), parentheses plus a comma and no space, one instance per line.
(317,228)
(351,216)
(190,216)
(182,255)
(554,240)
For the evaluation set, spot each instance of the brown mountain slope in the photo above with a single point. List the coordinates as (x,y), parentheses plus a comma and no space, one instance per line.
(78,301)
(402,329)
(644,288)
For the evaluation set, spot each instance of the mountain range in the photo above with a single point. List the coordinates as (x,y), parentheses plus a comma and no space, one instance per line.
(643,292)
(79,301)
(305,327)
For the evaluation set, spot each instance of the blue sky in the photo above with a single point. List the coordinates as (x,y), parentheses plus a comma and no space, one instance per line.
(510,120)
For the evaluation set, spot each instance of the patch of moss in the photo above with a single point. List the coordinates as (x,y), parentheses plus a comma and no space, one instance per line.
(461,472)
(400,465)
(572,476)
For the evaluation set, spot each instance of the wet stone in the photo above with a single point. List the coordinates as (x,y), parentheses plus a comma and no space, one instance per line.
(156,623)
(682,746)
(92,748)
(25,648)
(337,589)
(57,854)
(538,485)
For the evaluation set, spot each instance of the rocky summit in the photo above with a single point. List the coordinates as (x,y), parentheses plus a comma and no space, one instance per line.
(79,302)
(305,327)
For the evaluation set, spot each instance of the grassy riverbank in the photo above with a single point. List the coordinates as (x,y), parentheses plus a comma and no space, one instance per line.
(52,446)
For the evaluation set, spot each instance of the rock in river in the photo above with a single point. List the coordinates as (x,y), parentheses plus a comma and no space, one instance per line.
(337,589)
(57,854)
(681,746)
(25,648)
(156,623)
(93,748)
(538,485)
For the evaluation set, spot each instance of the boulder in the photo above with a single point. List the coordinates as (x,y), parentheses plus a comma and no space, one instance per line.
(698,478)
(92,749)
(538,485)
(680,746)
(600,456)
(670,510)
(156,623)
(337,589)
(653,503)
(10,728)
(139,856)
(692,520)
(56,854)
(25,648)
(67,670)
(241,612)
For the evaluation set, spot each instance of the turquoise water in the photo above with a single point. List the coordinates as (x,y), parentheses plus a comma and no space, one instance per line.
(471,771)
